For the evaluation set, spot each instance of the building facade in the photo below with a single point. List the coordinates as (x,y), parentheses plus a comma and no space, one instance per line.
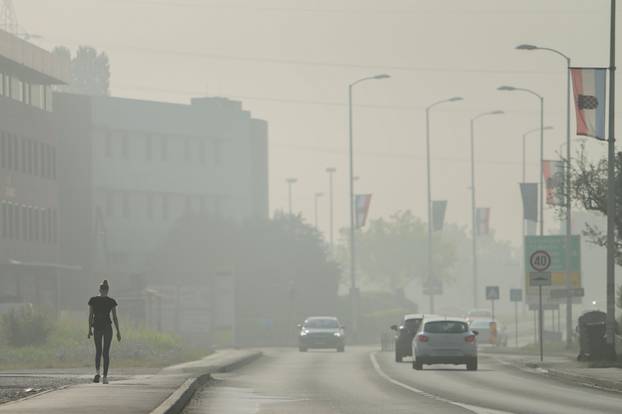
(29,207)
(130,169)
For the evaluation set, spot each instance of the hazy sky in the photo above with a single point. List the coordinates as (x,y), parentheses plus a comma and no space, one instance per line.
(290,62)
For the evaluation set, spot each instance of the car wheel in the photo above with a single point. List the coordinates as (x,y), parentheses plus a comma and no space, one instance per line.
(472,365)
(302,349)
(341,349)
(398,357)
(418,365)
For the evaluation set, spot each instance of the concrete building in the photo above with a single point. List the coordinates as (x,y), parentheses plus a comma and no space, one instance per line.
(29,253)
(131,168)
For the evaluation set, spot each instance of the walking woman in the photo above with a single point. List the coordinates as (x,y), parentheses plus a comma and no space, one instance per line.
(100,327)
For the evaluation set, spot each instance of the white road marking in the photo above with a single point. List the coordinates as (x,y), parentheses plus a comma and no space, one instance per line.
(473,408)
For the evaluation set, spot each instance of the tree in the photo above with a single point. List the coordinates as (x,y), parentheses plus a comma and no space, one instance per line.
(90,71)
(282,269)
(391,252)
(589,191)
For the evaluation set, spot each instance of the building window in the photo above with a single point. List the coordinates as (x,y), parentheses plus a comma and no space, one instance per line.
(4,150)
(125,147)
(202,151)
(188,149)
(148,147)
(110,203)
(217,155)
(126,204)
(108,144)
(17,91)
(44,160)
(165,207)
(150,206)
(164,148)
(54,227)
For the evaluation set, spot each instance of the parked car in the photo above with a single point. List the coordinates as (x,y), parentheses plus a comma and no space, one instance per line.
(445,341)
(404,335)
(321,332)
(475,314)
(490,332)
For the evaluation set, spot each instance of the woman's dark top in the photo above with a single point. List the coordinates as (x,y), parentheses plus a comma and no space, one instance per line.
(102,305)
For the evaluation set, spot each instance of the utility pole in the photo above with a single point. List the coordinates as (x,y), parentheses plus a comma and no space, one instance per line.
(290,182)
(331,172)
(611,194)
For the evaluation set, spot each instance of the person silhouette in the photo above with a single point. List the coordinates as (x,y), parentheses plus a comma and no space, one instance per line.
(100,327)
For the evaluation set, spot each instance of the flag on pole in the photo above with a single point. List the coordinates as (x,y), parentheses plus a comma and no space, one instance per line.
(438,214)
(529,193)
(482,220)
(589,85)
(553,171)
(361,205)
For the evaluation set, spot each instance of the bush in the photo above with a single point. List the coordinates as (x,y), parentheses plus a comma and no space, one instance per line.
(25,327)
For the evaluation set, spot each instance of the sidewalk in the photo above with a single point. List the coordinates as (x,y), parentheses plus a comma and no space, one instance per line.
(158,393)
(567,368)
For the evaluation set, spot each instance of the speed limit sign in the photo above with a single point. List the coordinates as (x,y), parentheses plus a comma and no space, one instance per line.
(540,260)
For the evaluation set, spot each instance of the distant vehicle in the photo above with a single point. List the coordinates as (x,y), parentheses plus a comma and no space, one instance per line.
(490,332)
(321,332)
(445,341)
(474,314)
(404,335)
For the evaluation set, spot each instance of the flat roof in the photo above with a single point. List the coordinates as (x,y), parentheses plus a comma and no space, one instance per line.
(31,63)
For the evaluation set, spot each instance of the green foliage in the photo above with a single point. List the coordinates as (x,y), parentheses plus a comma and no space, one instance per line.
(391,252)
(67,345)
(90,71)
(23,327)
(589,191)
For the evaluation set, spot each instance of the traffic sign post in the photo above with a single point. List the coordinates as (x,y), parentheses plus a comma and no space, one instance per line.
(516,295)
(539,262)
(492,294)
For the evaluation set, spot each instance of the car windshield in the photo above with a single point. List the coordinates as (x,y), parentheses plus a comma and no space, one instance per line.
(321,324)
(481,324)
(446,327)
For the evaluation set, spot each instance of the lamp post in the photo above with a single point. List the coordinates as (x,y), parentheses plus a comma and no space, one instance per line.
(353,289)
(541,98)
(290,181)
(568,199)
(430,275)
(331,172)
(316,196)
(473,208)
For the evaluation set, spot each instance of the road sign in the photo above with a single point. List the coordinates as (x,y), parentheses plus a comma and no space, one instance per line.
(540,279)
(564,293)
(540,261)
(516,295)
(492,292)
(555,246)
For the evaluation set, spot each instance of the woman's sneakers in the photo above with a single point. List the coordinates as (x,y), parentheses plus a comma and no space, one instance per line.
(96,378)
(105,380)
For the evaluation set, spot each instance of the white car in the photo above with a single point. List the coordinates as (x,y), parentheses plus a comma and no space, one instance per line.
(445,341)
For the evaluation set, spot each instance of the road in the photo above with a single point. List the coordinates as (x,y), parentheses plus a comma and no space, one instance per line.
(362,381)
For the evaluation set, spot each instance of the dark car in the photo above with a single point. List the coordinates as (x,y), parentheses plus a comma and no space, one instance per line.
(405,334)
(321,332)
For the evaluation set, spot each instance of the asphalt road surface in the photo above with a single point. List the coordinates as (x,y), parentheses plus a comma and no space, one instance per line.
(362,381)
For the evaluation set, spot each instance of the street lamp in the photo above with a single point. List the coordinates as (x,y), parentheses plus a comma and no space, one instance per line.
(351,205)
(541,98)
(330,171)
(567,182)
(429,187)
(290,182)
(316,196)
(473,208)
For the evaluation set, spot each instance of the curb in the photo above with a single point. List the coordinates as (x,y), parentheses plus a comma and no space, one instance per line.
(178,400)
(586,381)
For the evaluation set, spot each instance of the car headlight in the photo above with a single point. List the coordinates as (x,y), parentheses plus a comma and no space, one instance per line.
(337,334)
(303,333)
